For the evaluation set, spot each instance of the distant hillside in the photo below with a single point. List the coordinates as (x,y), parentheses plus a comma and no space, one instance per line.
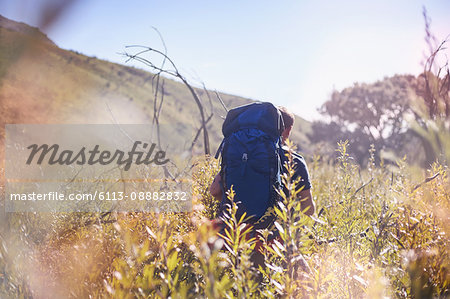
(41,83)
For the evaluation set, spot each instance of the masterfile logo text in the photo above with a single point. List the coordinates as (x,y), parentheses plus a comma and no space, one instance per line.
(63,168)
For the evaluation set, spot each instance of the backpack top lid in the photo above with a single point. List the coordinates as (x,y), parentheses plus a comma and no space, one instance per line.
(261,115)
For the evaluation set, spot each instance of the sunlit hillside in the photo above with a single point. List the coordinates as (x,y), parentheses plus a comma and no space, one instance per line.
(41,83)
(378,228)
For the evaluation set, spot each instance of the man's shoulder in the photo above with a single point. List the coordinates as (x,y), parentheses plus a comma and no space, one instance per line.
(300,168)
(296,156)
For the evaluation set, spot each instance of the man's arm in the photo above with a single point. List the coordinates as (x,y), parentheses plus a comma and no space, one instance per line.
(215,189)
(306,202)
(305,196)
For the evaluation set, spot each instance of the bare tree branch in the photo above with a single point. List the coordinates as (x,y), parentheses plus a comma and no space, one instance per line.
(174,73)
(198,133)
(221,101)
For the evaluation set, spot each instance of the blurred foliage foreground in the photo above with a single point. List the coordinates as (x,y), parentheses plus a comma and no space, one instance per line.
(381,231)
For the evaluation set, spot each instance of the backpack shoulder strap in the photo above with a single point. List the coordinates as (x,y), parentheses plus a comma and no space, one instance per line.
(219,149)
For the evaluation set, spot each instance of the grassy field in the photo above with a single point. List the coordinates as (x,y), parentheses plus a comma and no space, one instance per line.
(379,232)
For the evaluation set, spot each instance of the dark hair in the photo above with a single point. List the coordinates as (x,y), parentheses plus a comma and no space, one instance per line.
(288,117)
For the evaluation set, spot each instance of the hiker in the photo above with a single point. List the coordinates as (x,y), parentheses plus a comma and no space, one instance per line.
(306,201)
(265,115)
(307,204)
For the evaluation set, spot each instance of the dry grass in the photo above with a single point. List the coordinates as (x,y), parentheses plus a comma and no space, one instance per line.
(376,235)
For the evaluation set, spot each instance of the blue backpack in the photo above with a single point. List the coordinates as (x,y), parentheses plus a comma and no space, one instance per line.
(251,163)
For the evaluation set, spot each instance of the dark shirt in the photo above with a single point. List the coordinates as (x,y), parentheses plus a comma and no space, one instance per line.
(300,168)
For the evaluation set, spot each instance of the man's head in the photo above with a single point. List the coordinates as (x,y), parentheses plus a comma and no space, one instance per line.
(288,119)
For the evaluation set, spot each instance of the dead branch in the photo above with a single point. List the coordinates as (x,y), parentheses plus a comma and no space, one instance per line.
(221,101)
(362,187)
(437,85)
(174,73)
(198,133)
(209,99)
(425,181)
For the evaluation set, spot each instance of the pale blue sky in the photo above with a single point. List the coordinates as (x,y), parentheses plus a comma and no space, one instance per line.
(292,53)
